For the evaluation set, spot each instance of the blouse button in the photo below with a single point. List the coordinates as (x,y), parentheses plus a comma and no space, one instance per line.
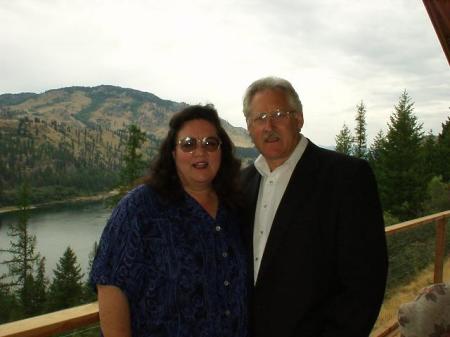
(218,228)
(227,312)
(226,283)
(225,254)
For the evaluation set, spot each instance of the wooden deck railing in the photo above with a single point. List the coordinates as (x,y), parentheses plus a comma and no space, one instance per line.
(440,221)
(52,323)
(81,316)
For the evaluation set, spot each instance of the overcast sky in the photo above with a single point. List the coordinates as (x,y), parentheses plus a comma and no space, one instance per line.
(335,53)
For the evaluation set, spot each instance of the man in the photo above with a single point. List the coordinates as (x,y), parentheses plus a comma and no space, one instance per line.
(316,229)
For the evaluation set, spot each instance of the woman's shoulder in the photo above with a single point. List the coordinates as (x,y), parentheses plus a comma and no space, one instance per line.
(139,196)
(136,208)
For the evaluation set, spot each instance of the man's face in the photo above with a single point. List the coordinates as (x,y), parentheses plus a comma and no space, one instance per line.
(276,139)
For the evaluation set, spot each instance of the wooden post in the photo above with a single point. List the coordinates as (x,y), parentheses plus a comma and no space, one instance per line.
(440,250)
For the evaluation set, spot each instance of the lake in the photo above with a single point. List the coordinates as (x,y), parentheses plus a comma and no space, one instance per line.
(57,227)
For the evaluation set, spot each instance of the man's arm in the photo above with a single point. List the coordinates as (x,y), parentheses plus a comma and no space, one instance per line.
(362,257)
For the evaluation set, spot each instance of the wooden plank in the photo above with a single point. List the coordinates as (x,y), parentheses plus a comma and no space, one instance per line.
(439,251)
(52,323)
(416,222)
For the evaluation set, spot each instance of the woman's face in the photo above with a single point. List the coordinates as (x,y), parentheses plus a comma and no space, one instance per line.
(198,167)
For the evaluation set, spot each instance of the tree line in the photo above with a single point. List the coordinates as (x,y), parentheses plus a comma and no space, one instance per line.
(61,161)
(413,174)
(25,290)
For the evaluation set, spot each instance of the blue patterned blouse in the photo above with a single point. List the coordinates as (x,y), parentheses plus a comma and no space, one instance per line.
(183,272)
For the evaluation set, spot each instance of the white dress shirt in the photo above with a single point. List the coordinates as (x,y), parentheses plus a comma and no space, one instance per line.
(271,190)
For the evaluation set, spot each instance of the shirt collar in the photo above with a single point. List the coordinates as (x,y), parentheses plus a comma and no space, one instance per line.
(263,168)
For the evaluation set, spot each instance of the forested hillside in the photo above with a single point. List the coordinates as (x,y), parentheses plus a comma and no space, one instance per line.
(71,141)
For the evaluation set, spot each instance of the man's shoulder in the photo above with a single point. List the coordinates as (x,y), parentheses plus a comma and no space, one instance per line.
(248,172)
(333,160)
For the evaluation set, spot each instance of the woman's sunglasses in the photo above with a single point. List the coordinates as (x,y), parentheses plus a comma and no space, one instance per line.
(189,144)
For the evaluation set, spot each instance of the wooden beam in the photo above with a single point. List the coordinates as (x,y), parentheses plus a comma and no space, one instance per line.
(417,222)
(439,13)
(52,323)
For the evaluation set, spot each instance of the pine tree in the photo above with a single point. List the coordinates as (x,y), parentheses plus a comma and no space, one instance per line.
(22,260)
(430,155)
(375,150)
(40,288)
(360,139)
(438,196)
(376,147)
(344,140)
(8,305)
(66,289)
(401,178)
(133,163)
(443,152)
(89,293)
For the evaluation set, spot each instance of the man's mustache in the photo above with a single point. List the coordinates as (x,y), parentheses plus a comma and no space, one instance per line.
(271,136)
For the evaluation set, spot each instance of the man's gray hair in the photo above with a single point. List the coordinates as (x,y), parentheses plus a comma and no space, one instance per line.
(272,83)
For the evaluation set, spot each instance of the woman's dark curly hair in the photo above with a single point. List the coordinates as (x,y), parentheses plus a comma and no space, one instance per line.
(163,173)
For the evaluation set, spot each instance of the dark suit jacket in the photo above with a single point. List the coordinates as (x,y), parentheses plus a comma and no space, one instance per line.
(323,271)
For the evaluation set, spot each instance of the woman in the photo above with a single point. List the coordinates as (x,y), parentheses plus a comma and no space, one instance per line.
(170,261)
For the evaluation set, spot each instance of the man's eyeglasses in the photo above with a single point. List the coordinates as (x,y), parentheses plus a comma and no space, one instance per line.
(276,116)
(189,144)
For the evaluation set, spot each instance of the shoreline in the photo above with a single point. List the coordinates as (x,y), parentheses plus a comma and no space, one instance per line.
(97,197)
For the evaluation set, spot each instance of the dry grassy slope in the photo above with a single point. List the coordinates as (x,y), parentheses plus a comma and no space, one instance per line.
(43,133)
(407,293)
(53,105)
(108,106)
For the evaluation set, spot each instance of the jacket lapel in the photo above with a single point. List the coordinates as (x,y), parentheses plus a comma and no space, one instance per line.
(292,204)
(251,180)
(252,196)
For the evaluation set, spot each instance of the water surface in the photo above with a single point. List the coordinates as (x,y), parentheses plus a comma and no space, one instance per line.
(57,227)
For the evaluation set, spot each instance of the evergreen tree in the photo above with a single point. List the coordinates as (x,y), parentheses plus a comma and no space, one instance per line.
(376,147)
(89,293)
(134,164)
(22,259)
(8,305)
(438,196)
(443,152)
(40,288)
(400,168)
(66,290)
(430,158)
(344,140)
(360,140)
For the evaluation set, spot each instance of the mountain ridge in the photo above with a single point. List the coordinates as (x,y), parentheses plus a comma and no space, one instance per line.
(104,105)
(71,141)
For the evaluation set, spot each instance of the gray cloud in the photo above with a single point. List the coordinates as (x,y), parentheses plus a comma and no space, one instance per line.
(336,53)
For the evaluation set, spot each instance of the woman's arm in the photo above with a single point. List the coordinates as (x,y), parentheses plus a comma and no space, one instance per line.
(114,312)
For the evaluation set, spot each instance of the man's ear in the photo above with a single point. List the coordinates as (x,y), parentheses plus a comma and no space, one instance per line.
(300,121)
